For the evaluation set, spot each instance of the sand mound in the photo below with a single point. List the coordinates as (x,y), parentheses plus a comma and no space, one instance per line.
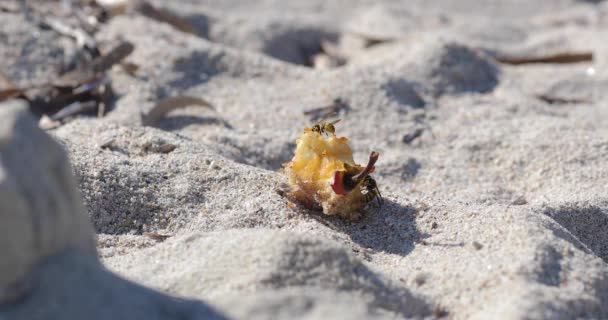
(265,260)
(50,269)
(493,175)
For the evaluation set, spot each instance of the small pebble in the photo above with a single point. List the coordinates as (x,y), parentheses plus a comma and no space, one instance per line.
(421,279)
(107,143)
(477,245)
(410,137)
(519,201)
(166,148)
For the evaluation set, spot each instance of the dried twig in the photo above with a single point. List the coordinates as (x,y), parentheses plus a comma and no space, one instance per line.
(107,98)
(166,16)
(156,236)
(83,89)
(114,56)
(98,65)
(566,57)
(83,39)
(561,100)
(89,83)
(169,104)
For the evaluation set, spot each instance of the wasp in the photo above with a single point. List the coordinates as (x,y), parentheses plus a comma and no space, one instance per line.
(354,176)
(369,185)
(326,127)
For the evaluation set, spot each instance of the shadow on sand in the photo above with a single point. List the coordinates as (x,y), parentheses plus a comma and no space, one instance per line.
(389,228)
(177,122)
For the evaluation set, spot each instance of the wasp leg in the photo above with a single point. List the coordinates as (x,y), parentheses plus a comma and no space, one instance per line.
(379,197)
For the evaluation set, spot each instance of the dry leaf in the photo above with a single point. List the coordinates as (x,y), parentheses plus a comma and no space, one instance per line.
(169,104)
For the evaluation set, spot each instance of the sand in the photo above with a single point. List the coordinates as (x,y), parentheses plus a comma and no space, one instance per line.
(496,209)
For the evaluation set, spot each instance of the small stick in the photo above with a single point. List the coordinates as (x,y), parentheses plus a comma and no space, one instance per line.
(116,55)
(107,97)
(166,16)
(566,57)
(82,38)
(98,65)
(559,100)
(156,236)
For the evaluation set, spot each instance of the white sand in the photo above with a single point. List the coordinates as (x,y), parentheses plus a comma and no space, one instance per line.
(498,210)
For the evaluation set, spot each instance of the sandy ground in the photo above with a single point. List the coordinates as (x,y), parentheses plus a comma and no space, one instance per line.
(498,209)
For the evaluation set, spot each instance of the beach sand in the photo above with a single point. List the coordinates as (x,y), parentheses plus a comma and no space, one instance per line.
(494,175)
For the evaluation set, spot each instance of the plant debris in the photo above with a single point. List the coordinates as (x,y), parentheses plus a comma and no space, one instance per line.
(85,89)
(166,16)
(83,39)
(156,236)
(169,104)
(565,57)
(92,71)
(552,99)
(84,86)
